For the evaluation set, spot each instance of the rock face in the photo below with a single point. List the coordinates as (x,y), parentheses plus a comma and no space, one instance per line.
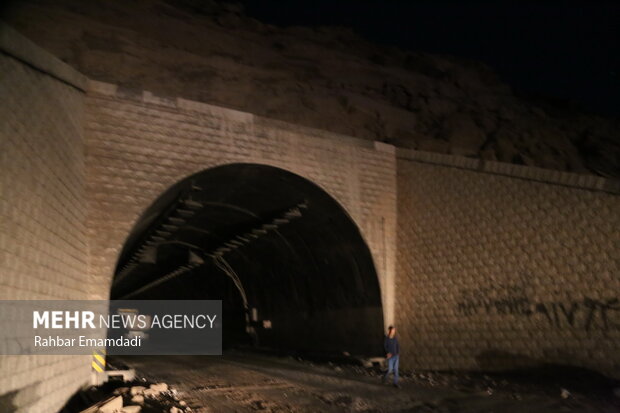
(325,78)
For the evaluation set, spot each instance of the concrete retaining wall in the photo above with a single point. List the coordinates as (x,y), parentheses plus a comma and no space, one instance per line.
(502,266)
(43,245)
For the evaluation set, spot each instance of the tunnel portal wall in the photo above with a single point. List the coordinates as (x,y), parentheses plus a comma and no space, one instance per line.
(43,244)
(503,266)
(139,145)
(498,265)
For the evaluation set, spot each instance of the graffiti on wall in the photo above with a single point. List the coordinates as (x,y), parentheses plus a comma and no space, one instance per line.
(585,313)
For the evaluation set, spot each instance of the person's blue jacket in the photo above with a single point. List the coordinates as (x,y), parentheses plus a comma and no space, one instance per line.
(391,346)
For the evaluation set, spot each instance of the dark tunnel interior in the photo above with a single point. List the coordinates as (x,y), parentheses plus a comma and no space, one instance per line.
(289,264)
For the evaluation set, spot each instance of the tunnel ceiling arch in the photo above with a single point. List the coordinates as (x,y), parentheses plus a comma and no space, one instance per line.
(298,256)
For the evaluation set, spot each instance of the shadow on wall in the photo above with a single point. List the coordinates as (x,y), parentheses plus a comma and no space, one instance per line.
(527,370)
(502,360)
(6,402)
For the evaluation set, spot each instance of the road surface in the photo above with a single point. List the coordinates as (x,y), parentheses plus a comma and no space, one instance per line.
(246,382)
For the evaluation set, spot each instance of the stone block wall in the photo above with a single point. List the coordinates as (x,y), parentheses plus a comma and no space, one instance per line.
(501,268)
(138,145)
(482,265)
(43,245)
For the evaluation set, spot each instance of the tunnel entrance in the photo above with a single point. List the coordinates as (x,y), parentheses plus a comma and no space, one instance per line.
(289,264)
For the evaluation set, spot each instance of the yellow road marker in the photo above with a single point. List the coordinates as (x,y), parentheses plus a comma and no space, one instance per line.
(98,363)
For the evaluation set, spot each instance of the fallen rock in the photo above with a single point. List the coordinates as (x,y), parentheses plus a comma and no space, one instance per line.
(565,394)
(137,390)
(175,410)
(138,398)
(151,393)
(160,387)
(121,390)
(132,409)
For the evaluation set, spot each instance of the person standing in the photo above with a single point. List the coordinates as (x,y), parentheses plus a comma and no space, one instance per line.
(392,350)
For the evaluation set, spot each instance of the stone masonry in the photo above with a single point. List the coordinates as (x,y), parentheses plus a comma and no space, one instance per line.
(482,265)
(499,272)
(139,145)
(43,245)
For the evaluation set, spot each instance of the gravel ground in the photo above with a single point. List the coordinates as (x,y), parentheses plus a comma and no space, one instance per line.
(247,382)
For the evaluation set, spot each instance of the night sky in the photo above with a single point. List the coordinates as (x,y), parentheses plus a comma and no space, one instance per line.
(567,51)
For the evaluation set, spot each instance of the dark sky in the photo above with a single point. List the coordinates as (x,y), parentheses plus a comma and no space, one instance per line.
(568,50)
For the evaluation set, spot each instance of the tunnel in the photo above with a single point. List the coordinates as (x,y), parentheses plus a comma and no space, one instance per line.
(292,270)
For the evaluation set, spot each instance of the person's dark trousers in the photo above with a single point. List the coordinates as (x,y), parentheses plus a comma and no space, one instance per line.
(392,368)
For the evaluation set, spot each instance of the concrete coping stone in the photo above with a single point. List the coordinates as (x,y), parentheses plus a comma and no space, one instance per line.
(550,176)
(19,47)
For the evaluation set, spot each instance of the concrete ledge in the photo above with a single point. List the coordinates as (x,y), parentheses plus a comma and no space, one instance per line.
(385,147)
(214,111)
(14,44)
(438,158)
(314,132)
(549,176)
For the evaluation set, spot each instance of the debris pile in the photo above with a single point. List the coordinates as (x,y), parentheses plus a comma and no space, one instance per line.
(137,396)
(155,398)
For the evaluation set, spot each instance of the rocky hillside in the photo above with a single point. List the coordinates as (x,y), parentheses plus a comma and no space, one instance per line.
(327,78)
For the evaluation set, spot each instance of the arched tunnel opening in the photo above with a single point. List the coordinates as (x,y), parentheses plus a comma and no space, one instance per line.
(289,264)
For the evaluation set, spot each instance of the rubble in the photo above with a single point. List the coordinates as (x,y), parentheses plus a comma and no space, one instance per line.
(159,387)
(121,390)
(357,389)
(151,393)
(138,399)
(135,390)
(112,405)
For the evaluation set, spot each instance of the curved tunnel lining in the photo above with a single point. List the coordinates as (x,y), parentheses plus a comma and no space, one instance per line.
(307,273)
